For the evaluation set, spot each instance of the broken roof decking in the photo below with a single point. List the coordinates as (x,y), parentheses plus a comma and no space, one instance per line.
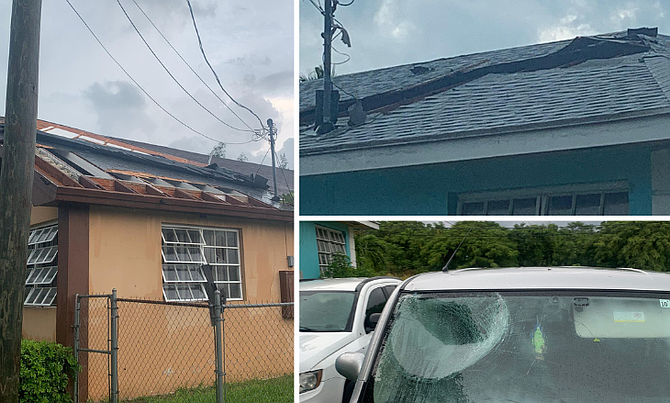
(284,176)
(510,90)
(71,170)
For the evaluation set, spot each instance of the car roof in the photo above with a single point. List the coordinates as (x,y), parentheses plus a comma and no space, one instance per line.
(343,284)
(529,278)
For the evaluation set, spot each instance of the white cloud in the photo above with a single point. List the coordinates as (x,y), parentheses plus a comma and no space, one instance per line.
(388,22)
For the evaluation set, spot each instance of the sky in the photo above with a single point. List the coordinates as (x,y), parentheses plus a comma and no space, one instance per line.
(392,32)
(249,43)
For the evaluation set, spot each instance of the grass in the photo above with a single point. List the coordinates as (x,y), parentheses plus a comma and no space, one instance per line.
(254,391)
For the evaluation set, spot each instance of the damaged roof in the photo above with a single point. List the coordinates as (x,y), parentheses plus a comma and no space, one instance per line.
(284,176)
(593,79)
(76,169)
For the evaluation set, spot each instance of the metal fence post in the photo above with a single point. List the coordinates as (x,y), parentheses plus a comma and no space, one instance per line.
(223,348)
(217,344)
(114,348)
(77,307)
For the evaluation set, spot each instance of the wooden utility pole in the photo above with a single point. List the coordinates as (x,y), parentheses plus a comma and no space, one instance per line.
(273,136)
(16,185)
(327,46)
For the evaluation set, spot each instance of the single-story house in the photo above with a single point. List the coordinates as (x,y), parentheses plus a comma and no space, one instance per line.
(320,240)
(107,214)
(569,127)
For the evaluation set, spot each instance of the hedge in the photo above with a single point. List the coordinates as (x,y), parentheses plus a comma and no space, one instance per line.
(45,368)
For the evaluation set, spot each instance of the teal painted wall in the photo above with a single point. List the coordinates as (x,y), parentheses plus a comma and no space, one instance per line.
(433,189)
(308,260)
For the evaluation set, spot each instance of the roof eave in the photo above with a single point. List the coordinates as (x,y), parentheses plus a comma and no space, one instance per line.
(159,203)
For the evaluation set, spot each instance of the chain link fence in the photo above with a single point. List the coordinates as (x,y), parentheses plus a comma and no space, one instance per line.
(167,351)
(92,346)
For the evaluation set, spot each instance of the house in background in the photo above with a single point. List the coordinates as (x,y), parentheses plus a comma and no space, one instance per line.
(570,127)
(319,240)
(109,215)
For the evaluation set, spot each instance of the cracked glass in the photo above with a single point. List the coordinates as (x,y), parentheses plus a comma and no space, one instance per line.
(490,347)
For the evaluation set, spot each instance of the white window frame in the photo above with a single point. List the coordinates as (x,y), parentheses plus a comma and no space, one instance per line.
(41,266)
(329,242)
(196,241)
(543,196)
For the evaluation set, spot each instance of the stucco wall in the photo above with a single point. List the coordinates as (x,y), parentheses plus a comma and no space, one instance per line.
(40,215)
(125,252)
(165,347)
(309,255)
(660,177)
(432,189)
(39,323)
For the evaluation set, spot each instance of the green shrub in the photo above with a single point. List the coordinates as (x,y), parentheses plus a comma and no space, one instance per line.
(44,372)
(340,266)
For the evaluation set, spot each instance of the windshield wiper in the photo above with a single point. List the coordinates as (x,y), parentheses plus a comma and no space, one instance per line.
(306,329)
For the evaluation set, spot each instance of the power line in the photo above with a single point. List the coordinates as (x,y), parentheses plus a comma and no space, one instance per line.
(135,81)
(191,68)
(171,75)
(202,50)
(263,160)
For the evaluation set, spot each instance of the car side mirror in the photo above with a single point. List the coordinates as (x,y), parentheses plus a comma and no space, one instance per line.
(373,319)
(349,365)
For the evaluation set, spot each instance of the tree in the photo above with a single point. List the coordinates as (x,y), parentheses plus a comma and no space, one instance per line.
(313,75)
(242,157)
(372,253)
(638,244)
(283,161)
(219,150)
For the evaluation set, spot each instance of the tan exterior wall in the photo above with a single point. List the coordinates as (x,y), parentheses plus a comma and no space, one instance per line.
(40,215)
(39,323)
(125,252)
(161,347)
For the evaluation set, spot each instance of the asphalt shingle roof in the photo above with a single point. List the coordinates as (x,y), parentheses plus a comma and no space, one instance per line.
(595,90)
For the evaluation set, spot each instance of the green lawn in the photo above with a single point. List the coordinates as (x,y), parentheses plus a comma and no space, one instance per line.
(254,391)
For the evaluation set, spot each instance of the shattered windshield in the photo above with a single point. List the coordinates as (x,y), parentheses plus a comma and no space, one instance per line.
(490,347)
(326,311)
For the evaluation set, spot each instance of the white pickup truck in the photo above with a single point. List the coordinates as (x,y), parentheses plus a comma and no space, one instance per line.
(336,316)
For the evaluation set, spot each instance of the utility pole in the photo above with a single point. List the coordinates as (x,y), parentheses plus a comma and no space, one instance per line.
(16,185)
(327,46)
(273,135)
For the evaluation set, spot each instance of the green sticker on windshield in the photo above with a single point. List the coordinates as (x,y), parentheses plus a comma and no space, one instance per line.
(665,303)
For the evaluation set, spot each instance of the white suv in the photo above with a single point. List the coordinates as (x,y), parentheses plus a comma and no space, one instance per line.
(526,335)
(336,316)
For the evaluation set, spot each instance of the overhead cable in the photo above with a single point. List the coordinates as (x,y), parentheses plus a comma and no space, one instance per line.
(135,81)
(171,75)
(202,50)
(191,68)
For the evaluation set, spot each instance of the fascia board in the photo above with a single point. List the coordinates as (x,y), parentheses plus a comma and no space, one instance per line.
(620,132)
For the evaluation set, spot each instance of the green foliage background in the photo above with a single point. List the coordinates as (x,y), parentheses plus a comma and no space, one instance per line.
(45,368)
(404,248)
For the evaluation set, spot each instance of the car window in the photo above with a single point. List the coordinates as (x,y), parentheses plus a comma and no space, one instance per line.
(389,289)
(326,311)
(375,304)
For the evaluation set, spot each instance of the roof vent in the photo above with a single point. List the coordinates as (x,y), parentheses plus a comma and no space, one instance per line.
(643,31)
(356,114)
